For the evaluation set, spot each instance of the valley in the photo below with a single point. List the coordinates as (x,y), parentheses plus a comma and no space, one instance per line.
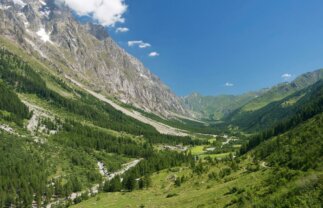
(84,124)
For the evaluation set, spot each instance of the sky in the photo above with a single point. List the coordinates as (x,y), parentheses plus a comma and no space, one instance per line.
(216,46)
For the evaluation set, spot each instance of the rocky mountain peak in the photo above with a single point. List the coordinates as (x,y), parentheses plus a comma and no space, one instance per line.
(86,53)
(97,31)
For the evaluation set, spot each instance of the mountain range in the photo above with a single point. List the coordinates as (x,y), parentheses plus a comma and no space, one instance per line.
(86,53)
(230,107)
(85,124)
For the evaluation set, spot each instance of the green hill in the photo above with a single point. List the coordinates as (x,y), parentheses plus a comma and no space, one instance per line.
(281,166)
(54,134)
(284,171)
(276,111)
(277,93)
(217,107)
(62,146)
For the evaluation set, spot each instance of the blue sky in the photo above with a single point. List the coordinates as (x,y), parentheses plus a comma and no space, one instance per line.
(224,47)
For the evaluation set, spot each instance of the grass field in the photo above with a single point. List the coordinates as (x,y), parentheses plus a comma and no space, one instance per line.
(197,191)
(220,155)
(197,150)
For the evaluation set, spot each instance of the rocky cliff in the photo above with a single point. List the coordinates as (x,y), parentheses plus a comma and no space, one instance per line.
(86,53)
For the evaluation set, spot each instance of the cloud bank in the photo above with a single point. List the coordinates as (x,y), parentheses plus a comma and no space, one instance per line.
(139,43)
(106,12)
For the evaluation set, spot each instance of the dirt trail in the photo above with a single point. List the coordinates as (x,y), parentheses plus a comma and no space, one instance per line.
(160,127)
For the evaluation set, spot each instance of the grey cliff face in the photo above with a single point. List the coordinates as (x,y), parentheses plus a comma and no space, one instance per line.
(86,53)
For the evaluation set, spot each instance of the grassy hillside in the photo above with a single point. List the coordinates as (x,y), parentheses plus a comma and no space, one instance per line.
(56,137)
(64,132)
(236,106)
(277,93)
(217,107)
(279,110)
(275,174)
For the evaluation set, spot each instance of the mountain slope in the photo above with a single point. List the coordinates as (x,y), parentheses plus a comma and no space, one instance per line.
(279,110)
(285,170)
(64,139)
(232,107)
(56,137)
(281,91)
(86,53)
(246,114)
(278,173)
(217,107)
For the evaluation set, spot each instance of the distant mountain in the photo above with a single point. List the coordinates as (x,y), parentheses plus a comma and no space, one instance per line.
(280,110)
(234,107)
(86,53)
(217,107)
(284,89)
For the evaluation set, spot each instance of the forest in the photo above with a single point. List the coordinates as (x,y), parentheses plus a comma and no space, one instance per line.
(26,176)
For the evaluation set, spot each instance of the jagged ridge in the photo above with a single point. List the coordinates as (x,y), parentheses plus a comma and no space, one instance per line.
(86,53)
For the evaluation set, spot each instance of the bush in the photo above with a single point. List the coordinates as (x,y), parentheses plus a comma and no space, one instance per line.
(171,195)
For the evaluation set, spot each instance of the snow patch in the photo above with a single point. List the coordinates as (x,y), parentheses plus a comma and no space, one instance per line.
(144,76)
(3,7)
(42,2)
(19,2)
(44,36)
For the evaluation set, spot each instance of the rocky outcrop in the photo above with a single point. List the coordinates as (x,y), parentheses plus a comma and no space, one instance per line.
(86,53)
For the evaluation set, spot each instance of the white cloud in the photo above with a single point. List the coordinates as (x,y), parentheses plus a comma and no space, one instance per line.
(286,76)
(134,42)
(122,29)
(228,84)
(153,54)
(106,12)
(139,43)
(144,45)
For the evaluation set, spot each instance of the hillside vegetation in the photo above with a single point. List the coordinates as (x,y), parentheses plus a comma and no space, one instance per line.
(65,147)
(217,107)
(276,93)
(280,110)
(275,174)
(64,136)
(280,166)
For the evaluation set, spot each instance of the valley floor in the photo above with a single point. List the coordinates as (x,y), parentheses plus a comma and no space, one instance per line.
(198,191)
